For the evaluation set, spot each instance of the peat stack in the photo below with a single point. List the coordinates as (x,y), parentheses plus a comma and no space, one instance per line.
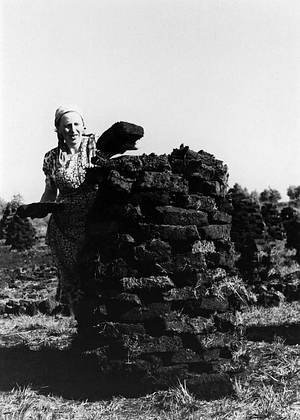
(249,234)
(291,222)
(158,277)
(282,280)
(267,258)
(272,218)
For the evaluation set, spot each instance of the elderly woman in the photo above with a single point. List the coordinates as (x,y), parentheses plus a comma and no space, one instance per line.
(65,169)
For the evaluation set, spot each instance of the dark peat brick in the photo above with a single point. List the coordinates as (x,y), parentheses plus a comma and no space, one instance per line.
(209,386)
(216,232)
(133,284)
(162,181)
(170,215)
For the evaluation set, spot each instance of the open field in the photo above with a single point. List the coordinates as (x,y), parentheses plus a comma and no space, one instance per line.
(42,378)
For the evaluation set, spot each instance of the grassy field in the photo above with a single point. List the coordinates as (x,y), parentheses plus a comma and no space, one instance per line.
(38,376)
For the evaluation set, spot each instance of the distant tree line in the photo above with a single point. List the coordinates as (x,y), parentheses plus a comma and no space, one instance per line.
(268,195)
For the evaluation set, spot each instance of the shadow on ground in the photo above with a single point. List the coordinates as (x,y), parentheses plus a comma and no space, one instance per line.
(59,372)
(75,374)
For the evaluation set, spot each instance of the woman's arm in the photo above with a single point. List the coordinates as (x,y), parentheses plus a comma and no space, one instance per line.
(50,192)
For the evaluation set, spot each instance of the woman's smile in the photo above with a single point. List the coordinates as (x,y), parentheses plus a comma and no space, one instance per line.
(71,129)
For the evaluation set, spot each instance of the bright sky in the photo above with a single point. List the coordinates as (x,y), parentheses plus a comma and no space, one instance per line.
(218,75)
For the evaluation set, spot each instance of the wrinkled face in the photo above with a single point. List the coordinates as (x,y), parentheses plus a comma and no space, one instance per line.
(71,129)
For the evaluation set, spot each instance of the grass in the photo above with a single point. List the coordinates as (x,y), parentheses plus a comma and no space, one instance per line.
(232,286)
(268,389)
(37,330)
(40,254)
(285,313)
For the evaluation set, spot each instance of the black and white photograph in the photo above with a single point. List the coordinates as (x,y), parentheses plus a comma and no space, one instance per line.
(150,210)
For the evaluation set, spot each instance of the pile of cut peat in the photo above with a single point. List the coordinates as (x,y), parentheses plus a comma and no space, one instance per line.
(158,277)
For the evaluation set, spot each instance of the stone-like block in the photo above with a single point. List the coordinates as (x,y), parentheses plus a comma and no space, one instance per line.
(224,259)
(162,181)
(185,269)
(169,233)
(197,167)
(151,312)
(119,183)
(203,305)
(225,322)
(167,376)
(170,215)
(155,163)
(132,284)
(146,344)
(29,307)
(185,356)
(210,188)
(183,324)
(150,199)
(112,330)
(211,276)
(217,340)
(216,232)
(181,294)
(209,386)
(118,268)
(48,306)
(219,218)
(200,202)
(154,251)
(214,304)
(120,137)
(290,333)
(121,303)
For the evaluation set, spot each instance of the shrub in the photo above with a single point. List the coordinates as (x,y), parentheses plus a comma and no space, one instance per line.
(8,213)
(20,233)
(270,196)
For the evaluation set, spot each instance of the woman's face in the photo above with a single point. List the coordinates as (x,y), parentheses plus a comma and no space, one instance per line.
(71,129)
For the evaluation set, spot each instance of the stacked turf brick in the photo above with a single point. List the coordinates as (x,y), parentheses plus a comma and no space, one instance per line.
(282,278)
(249,234)
(272,218)
(266,262)
(291,222)
(157,272)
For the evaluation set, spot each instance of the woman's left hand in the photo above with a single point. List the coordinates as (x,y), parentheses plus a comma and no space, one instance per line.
(38,210)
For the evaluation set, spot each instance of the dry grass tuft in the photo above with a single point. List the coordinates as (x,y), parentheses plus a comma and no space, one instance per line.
(285,313)
(174,399)
(37,330)
(269,389)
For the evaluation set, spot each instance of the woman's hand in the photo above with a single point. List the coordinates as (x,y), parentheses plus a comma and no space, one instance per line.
(119,138)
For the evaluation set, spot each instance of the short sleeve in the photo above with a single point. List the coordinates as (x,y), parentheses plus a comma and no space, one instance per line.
(49,163)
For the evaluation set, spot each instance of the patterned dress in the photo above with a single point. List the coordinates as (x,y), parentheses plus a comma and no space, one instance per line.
(66,229)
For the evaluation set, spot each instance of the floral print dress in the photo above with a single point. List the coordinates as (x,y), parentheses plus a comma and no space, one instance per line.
(66,228)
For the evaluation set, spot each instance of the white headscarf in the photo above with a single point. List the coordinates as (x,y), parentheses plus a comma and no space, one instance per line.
(62,110)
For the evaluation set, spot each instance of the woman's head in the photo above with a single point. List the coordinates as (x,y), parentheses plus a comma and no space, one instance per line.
(69,125)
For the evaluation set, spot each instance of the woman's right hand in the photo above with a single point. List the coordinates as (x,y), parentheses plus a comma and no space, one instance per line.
(119,138)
